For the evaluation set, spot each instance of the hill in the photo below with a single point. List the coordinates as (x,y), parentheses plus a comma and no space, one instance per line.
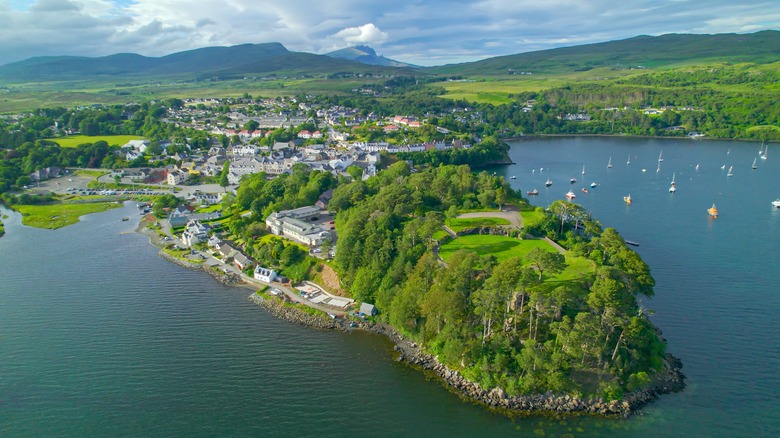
(199,63)
(637,52)
(366,55)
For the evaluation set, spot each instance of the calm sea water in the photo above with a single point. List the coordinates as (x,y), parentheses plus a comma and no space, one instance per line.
(100,337)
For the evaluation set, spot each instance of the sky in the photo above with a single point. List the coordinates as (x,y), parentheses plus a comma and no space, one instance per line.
(422,32)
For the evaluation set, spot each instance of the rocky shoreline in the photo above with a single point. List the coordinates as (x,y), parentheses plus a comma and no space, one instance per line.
(667,381)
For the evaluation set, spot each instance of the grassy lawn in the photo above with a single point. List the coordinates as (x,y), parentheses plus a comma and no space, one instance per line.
(531,218)
(499,246)
(54,216)
(506,247)
(72,141)
(92,173)
(459,224)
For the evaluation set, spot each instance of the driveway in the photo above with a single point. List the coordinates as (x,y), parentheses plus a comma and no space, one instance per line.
(513,216)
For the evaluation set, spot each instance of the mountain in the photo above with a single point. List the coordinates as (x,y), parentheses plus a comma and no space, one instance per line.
(366,55)
(646,51)
(244,59)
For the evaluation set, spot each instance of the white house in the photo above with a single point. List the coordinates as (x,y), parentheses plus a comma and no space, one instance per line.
(264,274)
(194,233)
(176,177)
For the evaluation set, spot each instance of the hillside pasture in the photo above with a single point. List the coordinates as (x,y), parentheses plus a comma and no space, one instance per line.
(72,141)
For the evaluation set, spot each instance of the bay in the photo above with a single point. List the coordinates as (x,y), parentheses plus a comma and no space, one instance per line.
(101,337)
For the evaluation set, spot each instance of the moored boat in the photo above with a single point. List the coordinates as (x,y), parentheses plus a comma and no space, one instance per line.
(776,203)
(584,190)
(713,211)
(548,183)
(627,199)
(533,192)
(573,180)
(592,185)
(570,195)
(512,177)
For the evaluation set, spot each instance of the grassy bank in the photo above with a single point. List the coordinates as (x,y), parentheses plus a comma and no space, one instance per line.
(53,216)
(462,223)
(72,141)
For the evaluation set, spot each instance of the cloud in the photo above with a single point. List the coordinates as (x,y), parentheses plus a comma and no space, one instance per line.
(365,34)
(425,33)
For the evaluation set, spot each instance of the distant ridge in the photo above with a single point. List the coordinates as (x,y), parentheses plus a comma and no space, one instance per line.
(273,58)
(366,55)
(647,51)
(198,63)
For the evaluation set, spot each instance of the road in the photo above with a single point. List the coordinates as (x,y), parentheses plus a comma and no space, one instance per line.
(513,216)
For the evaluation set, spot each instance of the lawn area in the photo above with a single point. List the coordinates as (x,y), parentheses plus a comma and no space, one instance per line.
(532,218)
(500,246)
(506,247)
(72,141)
(459,224)
(54,216)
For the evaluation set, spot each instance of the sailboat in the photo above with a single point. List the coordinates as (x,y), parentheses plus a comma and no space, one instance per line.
(609,164)
(583,169)
(766,150)
(731,173)
(673,188)
(627,199)
(659,168)
(713,211)
(754,164)
(661,156)
(629,159)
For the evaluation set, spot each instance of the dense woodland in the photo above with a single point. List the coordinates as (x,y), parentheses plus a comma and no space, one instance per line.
(508,324)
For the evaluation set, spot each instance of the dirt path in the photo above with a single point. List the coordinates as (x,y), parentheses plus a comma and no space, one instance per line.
(513,216)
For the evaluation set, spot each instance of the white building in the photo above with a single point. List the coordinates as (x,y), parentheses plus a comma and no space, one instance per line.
(292,224)
(264,274)
(194,233)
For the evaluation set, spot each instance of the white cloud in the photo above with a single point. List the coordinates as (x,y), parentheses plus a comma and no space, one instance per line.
(425,33)
(365,34)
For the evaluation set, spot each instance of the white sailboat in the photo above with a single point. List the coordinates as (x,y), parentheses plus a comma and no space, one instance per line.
(731,169)
(661,156)
(766,150)
(583,169)
(673,188)
(609,164)
(629,159)
(754,164)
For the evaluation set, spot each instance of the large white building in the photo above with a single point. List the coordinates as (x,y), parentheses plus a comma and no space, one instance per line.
(292,224)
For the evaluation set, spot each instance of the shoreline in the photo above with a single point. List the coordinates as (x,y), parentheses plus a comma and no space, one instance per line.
(659,137)
(667,381)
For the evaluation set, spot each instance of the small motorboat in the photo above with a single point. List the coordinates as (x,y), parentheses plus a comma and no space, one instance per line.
(512,177)
(713,211)
(533,192)
(592,185)
(627,199)
(776,203)
(570,195)
(584,190)
(548,183)
(573,180)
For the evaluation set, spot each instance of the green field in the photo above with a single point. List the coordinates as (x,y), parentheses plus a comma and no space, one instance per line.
(72,141)
(54,216)
(500,246)
(532,218)
(459,224)
(506,247)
